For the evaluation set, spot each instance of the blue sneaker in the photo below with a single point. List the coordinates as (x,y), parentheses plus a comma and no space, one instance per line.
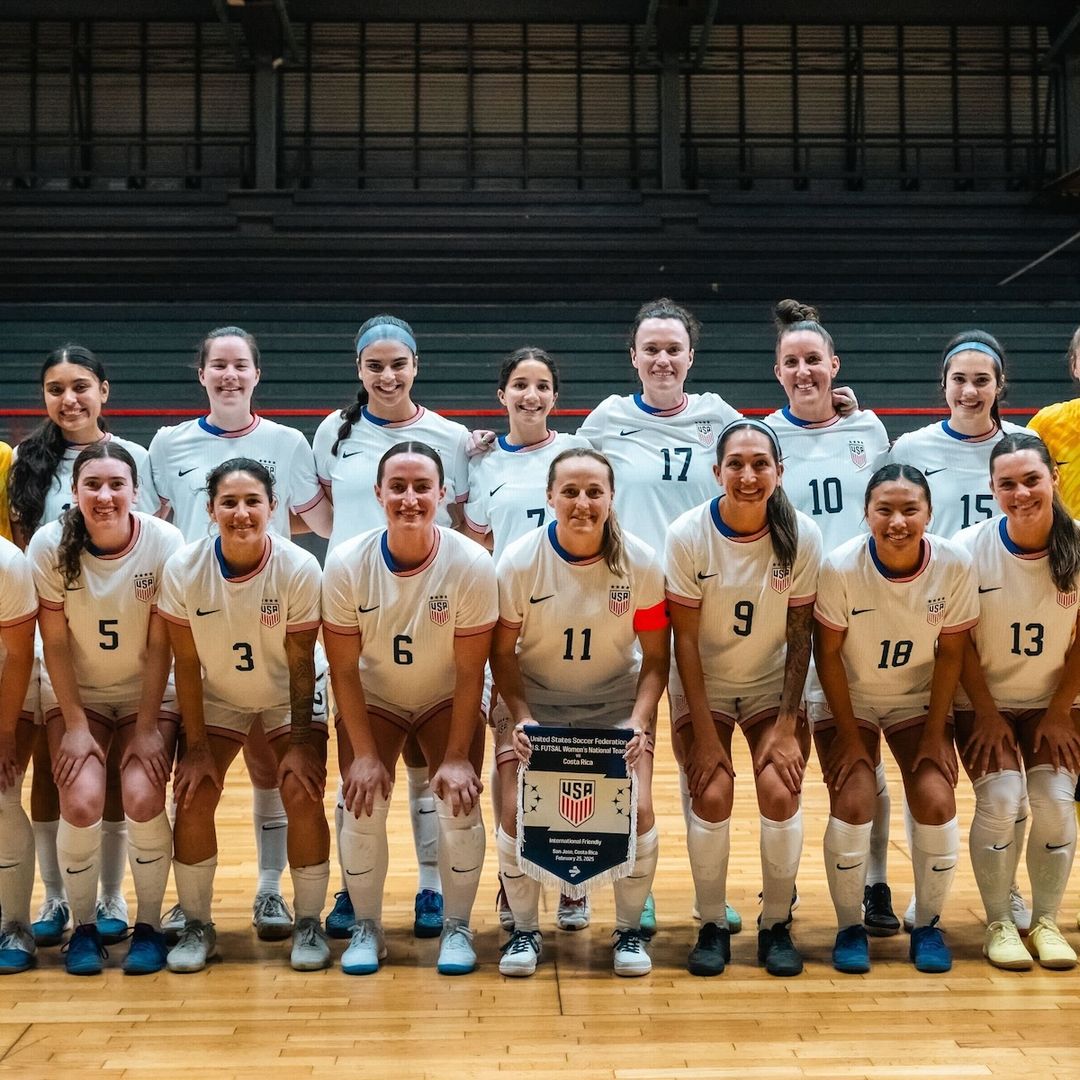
(456,953)
(17,949)
(84,952)
(851,953)
(428,910)
(147,952)
(111,919)
(53,919)
(648,917)
(340,921)
(928,951)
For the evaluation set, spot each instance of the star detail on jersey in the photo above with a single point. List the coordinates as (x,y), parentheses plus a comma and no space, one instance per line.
(780,579)
(619,599)
(439,609)
(270,613)
(706,435)
(857,450)
(935,610)
(144,586)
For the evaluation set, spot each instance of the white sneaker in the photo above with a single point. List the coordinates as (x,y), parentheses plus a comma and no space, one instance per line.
(366,948)
(310,949)
(572,914)
(197,945)
(172,923)
(1053,951)
(630,956)
(456,953)
(521,953)
(909,916)
(271,917)
(1004,949)
(1021,913)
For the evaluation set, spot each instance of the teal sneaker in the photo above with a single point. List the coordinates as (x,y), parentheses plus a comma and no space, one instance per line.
(648,917)
(428,914)
(340,921)
(17,949)
(111,919)
(53,919)
(147,952)
(84,952)
(851,953)
(928,951)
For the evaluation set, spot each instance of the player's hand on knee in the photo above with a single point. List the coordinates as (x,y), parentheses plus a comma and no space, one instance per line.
(366,778)
(304,762)
(196,766)
(784,753)
(147,748)
(1061,739)
(456,783)
(991,738)
(844,756)
(940,753)
(703,763)
(76,747)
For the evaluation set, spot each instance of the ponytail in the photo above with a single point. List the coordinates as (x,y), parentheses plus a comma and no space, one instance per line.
(613,548)
(1064,547)
(32,474)
(783,527)
(349,417)
(73,540)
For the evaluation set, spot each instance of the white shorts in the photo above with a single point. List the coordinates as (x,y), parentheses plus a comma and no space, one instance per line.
(746,711)
(277,721)
(886,720)
(603,715)
(113,714)
(31,709)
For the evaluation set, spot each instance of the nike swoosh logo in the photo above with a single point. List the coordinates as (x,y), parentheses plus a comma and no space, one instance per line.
(860,610)
(422,811)
(68,870)
(75,588)
(147,862)
(993,588)
(1062,463)
(1057,847)
(705,577)
(930,472)
(212,611)
(539,599)
(365,610)
(630,431)
(467,870)
(350,453)
(493,490)
(359,873)
(1003,847)
(853,866)
(273,826)
(184,472)
(8,866)
(942,869)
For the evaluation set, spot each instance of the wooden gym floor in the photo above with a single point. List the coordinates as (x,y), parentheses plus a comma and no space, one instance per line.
(251,1016)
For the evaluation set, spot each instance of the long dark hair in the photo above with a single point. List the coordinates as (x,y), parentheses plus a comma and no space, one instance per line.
(411,446)
(613,548)
(665,308)
(40,453)
(519,356)
(73,532)
(1064,536)
(991,347)
(897,471)
(790,316)
(239,464)
(227,331)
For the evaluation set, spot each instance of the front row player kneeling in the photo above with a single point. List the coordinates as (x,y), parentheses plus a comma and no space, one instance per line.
(408,613)
(243,610)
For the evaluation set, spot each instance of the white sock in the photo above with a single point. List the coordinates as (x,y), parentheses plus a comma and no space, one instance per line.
(150,853)
(933,858)
(631,892)
(310,886)
(16,856)
(847,854)
(271,837)
(339,817)
(195,887)
(48,863)
(79,852)
(365,856)
(685,800)
(992,837)
(1023,817)
(877,867)
(495,790)
(1052,843)
(424,817)
(114,857)
(781,849)
(461,858)
(522,893)
(709,845)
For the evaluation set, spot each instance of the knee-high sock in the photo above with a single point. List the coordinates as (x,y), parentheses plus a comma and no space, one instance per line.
(365,856)
(708,844)
(271,837)
(423,814)
(632,891)
(339,818)
(16,856)
(114,857)
(1052,840)
(847,854)
(48,863)
(150,853)
(1023,818)
(79,852)
(685,800)
(310,885)
(195,887)
(933,858)
(461,858)
(781,849)
(877,867)
(522,893)
(992,837)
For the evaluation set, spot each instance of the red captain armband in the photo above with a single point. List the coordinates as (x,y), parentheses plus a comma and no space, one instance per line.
(652,618)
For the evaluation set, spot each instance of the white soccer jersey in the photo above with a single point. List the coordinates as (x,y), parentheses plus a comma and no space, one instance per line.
(508,487)
(239,623)
(1026,625)
(108,609)
(743,595)
(350,474)
(892,624)
(18,599)
(662,460)
(827,466)
(60,497)
(577,642)
(183,456)
(407,619)
(957,468)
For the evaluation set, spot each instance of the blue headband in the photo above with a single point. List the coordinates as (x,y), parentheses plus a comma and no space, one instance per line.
(973,346)
(385,332)
(757,425)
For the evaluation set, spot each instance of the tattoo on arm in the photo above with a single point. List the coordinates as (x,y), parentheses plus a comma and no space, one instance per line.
(301,693)
(800,621)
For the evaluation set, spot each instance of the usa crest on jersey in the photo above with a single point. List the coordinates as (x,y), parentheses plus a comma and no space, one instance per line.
(706,435)
(577,800)
(439,609)
(144,587)
(271,467)
(619,599)
(270,613)
(935,610)
(780,579)
(857,449)
(1066,599)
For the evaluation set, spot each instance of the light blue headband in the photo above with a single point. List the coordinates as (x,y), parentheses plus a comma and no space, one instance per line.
(973,346)
(386,332)
(757,425)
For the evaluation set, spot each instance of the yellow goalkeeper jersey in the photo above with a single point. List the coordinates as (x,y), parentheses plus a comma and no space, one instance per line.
(1059,427)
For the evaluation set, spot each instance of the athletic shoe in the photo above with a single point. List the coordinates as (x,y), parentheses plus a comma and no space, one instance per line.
(648,916)
(172,923)
(84,952)
(851,953)
(630,957)
(777,952)
(147,952)
(197,945)
(879,919)
(366,948)
(17,949)
(734,919)
(1021,913)
(712,951)
(53,919)
(1053,951)
(456,953)
(1004,949)
(271,917)
(909,915)
(111,919)
(761,896)
(521,953)
(342,919)
(573,914)
(427,914)
(310,949)
(502,906)
(928,951)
